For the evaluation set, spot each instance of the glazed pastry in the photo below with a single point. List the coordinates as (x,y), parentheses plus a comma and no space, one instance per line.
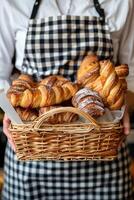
(85,64)
(97,85)
(112,90)
(106,79)
(123,83)
(89,70)
(59,118)
(122,70)
(54,80)
(20,96)
(42,95)
(21,87)
(88,101)
(24,80)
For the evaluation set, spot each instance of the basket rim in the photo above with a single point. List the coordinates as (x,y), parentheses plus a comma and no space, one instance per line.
(36,124)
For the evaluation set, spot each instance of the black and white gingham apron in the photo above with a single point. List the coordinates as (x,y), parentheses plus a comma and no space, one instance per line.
(56,45)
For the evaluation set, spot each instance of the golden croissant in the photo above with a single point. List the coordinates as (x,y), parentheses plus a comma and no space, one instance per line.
(24,81)
(89,70)
(54,80)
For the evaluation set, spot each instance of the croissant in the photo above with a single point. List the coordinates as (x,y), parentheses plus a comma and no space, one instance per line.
(42,95)
(20,86)
(20,97)
(24,80)
(89,101)
(59,118)
(27,114)
(89,70)
(54,80)
(97,86)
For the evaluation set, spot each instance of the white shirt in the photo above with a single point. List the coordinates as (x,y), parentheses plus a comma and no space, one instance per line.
(15,14)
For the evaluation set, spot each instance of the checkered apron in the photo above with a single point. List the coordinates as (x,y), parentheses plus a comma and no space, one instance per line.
(56,45)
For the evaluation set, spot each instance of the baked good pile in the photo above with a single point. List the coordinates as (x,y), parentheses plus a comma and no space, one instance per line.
(99,85)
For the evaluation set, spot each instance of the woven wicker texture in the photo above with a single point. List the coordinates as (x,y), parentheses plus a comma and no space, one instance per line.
(82,140)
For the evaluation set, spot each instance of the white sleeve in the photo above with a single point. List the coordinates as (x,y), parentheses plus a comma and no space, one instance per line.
(6,42)
(126,49)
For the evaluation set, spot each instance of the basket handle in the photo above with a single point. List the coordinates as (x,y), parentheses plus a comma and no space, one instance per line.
(65,109)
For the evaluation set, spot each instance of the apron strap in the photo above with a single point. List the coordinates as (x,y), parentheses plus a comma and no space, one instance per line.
(98,8)
(96,4)
(35,9)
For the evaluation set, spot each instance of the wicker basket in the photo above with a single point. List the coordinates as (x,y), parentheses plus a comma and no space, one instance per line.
(84,140)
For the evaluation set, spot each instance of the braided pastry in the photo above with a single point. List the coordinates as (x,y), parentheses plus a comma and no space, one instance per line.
(89,101)
(112,90)
(42,95)
(123,83)
(122,70)
(103,77)
(59,118)
(98,87)
(89,72)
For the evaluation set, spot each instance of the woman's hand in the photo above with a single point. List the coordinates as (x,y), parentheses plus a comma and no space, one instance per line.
(6,123)
(126,122)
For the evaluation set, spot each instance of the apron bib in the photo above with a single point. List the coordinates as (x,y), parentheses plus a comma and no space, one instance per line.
(57,45)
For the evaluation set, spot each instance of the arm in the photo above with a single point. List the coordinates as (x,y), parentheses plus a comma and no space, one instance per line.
(7,36)
(126,55)
(6,54)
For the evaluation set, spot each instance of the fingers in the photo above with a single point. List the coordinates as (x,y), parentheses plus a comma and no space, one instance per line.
(6,123)
(126,122)
(12,144)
